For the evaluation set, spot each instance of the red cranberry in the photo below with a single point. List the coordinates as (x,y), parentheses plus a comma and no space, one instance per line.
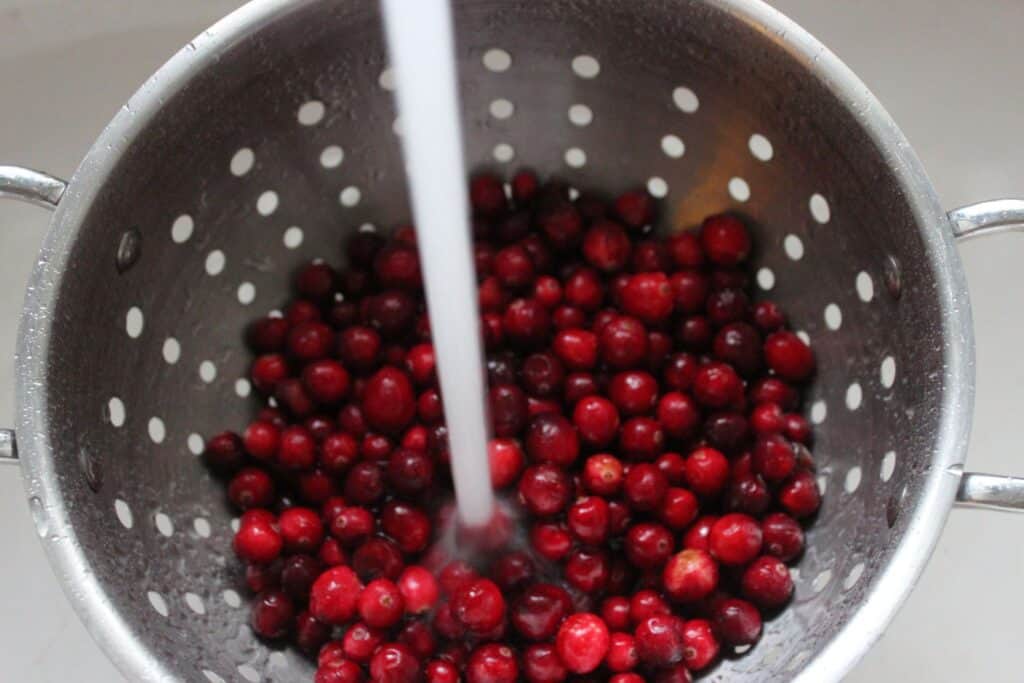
(364,483)
(797,428)
(508,410)
(641,438)
(263,577)
(690,290)
(767,583)
(768,316)
(550,541)
(659,642)
(627,678)
(735,539)
(767,418)
(524,186)
(552,439)
(788,356)
(582,642)
(739,344)
(606,246)
(398,265)
(673,466)
(597,420)
(479,605)
(486,194)
(378,557)
(319,427)
(725,240)
(583,290)
(258,542)
(548,291)
(388,400)
(339,671)
(537,613)
(799,496)
(315,281)
(419,590)
(566,317)
(492,296)
(526,323)
(331,553)
(690,575)
(623,342)
(678,415)
(588,570)
(506,460)
(440,671)
(622,654)
(513,267)
(293,397)
(492,663)
(301,311)
(588,520)
(648,296)
(262,440)
(736,622)
(408,525)
(418,637)
(576,348)
(726,306)
(380,604)
(410,471)
(298,449)
(674,674)
(334,596)
(635,208)
(694,333)
(251,488)
(603,474)
(267,335)
(707,472)
(421,364)
(542,375)
(223,452)
(615,612)
(645,604)
(272,614)
(701,644)
(352,524)
(352,420)
(455,575)
(697,535)
(783,536)
(562,225)
(773,458)
(678,508)
(685,250)
(301,530)
(633,392)
(394,663)
(310,341)
(541,664)
(267,371)
(651,256)
(310,634)
(679,372)
(513,227)
(392,312)
(648,545)
(748,494)
(513,570)
(717,385)
(645,486)
(727,432)
(619,517)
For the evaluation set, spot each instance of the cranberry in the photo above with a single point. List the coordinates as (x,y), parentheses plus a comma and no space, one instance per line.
(301,311)
(606,246)
(767,418)
(512,227)
(717,385)
(267,335)
(339,671)
(506,460)
(588,520)
(309,341)
(697,535)
(251,488)
(261,440)
(673,466)
(408,525)
(615,612)
(263,577)
(541,664)
(678,415)
(486,194)
(597,420)
(537,613)
(513,570)
(783,536)
(335,595)
(725,240)
(707,472)
(352,420)
(544,489)
(576,348)
(267,371)
(394,663)
(788,356)
(378,557)
(418,637)
(258,542)
(548,291)
(748,494)
(735,539)
(358,347)
(736,622)
(678,508)
(380,604)
(352,524)
(566,317)
(627,678)
(398,265)
(293,397)
(635,208)
(542,374)
(440,671)
(727,432)
(690,575)
(552,439)
(361,641)
(645,486)
(701,645)
(410,471)
(797,428)
(648,296)
(331,553)
(659,642)
(768,316)
(619,517)
(773,458)
(603,474)
(799,496)
(315,281)
(310,634)
(641,438)
(478,605)
(623,342)
(633,392)
(685,250)
(550,541)
(694,333)
(492,663)
(562,225)
(526,323)
(388,400)
(272,614)
(648,545)
(767,582)
(645,604)
(364,483)
(690,290)
(582,642)
(513,267)
(622,654)
(588,570)
(301,529)
(740,345)
(508,409)
(223,452)
(674,674)
(583,290)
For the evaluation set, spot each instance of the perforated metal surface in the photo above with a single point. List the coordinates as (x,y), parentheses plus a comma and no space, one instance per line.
(273,136)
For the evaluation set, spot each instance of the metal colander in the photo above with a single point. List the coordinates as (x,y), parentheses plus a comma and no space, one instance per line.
(272,136)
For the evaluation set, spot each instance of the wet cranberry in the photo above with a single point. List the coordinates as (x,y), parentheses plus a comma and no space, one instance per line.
(648,545)
(381,604)
(788,356)
(707,472)
(258,542)
(361,641)
(645,486)
(364,483)
(685,250)
(388,400)
(576,348)
(650,256)
(352,524)
(398,265)
(690,290)
(773,458)
(513,267)
(335,595)
(378,557)
(717,385)
(674,674)
(767,418)
(440,671)
(486,194)
(408,525)
(627,678)
(261,440)
(267,371)
(659,642)
(526,323)
(679,372)
(492,663)
(641,438)
(272,614)
(251,488)
(768,316)
(394,663)
(455,575)
(645,604)
(358,347)
(748,494)
(697,535)
(636,209)
(588,570)
(224,452)
(797,428)
(735,539)
(588,520)
(309,341)
(552,439)
(352,420)
(648,296)
(726,306)
(633,392)
(583,290)
(562,224)
(783,537)
(537,613)
(550,541)
(508,410)
(542,374)
(301,311)
(740,345)
(597,420)
(419,589)
(690,575)
(799,496)
(267,335)
(339,671)
(725,240)
(301,529)
(727,432)
(582,642)
(410,471)
(479,605)
(603,474)
(678,415)
(623,342)
(622,654)
(678,508)
(548,291)
(315,281)
(419,637)
(298,449)
(506,460)
(673,466)
(606,246)
(767,583)
(541,664)
(735,621)
(513,570)
(694,333)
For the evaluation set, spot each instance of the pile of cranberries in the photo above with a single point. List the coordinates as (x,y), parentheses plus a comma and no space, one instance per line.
(646,438)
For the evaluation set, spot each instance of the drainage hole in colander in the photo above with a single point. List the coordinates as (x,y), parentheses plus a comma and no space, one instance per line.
(157,431)
(232,598)
(267,202)
(502,108)
(760,147)
(586,66)
(332,156)
(134,322)
(794,247)
(311,113)
(207,371)
(854,396)
(212,677)
(765,279)
(888,466)
(853,576)
(195,444)
(822,480)
(819,208)
(292,237)
(739,189)
(115,411)
(673,146)
(163,524)
(350,196)
(657,187)
(157,602)
(242,161)
(865,287)
(181,228)
(386,80)
(852,481)
(246,293)
(575,157)
(235,524)
(685,99)
(804,337)
(580,115)
(242,387)
(496,60)
(821,580)
(201,527)
(504,152)
(195,603)
(819,410)
(215,262)
(887,372)
(248,673)
(171,350)
(833,317)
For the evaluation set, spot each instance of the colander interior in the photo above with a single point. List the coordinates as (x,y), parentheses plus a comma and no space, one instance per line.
(288,141)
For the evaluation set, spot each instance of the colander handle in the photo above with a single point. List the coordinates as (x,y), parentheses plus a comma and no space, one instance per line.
(977,490)
(31,186)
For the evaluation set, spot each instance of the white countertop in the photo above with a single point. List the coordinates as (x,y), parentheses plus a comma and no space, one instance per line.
(949,72)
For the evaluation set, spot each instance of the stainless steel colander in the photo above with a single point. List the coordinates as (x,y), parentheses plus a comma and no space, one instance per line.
(273,135)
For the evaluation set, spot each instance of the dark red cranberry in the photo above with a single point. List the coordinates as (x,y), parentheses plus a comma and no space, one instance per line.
(292,395)
(376,447)
(548,291)
(735,621)
(767,583)
(541,664)
(566,317)
(364,483)
(774,390)
(358,347)
(331,553)
(797,428)
(526,323)
(748,493)
(641,438)
(673,466)
(725,240)
(524,186)
(298,449)
(552,439)
(577,386)
(223,452)
(678,415)
(597,420)
(588,570)
(685,250)
(508,409)
(576,348)
(352,420)
(648,545)
(644,604)
(690,575)
(773,458)
(735,539)
(678,508)
(298,574)
(338,452)
(783,537)
(648,296)
(659,642)
(515,226)
(486,194)
(727,432)
(388,400)
(267,335)
(310,341)
(343,314)
(419,637)
(272,615)
(716,385)
(301,311)
(619,517)
(542,374)
(603,474)
(635,208)
(694,333)
(739,344)
(606,246)
(650,256)
(679,371)
(696,536)
(410,471)
(788,356)
(645,486)
(392,312)
(726,306)
(479,605)
(633,392)
(588,520)
(550,541)
(261,440)
(398,265)
(301,530)
(799,496)
(267,370)
(310,634)
(562,225)
(582,642)
(623,342)
(690,290)
(422,365)
(583,289)
(537,613)
(513,267)
(768,316)
(378,557)
(492,296)
(320,427)
(408,525)
(315,281)
(352,525)
(263,577)
(258,542)
(251,488)
(428,406)
(513,570)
